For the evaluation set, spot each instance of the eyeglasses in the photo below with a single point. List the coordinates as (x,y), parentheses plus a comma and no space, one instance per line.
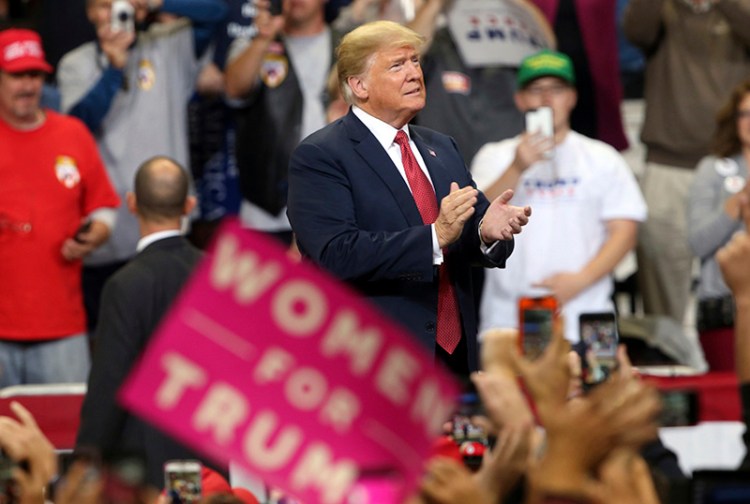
(541,90)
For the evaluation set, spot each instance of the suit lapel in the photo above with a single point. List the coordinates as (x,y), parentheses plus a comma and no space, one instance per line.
(381,164)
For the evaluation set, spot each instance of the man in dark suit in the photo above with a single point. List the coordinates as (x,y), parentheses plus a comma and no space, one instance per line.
(391,208)
(133,302)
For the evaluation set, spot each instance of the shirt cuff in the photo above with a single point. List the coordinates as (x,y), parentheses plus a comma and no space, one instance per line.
(437,252)
(106,216)
(486,249)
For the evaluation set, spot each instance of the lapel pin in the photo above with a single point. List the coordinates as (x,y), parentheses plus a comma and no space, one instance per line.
(432,153)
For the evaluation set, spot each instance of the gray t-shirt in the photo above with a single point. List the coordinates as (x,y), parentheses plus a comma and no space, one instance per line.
(148,117)
(308,55)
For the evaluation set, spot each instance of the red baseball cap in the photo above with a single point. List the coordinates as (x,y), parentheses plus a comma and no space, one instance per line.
(21,51)
(213,482)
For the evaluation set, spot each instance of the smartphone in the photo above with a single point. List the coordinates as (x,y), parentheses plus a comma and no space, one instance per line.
(472,439)
(276,7)
(599,340)
(83,228)
(536,317)
(123,16)
(182,481)
(679,408)
(540,122)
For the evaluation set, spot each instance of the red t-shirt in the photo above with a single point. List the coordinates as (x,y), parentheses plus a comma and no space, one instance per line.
(50,178)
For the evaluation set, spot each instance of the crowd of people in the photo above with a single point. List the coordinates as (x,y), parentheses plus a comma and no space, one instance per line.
(372,145)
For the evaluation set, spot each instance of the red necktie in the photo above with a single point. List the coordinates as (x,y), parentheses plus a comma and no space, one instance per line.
(448,318)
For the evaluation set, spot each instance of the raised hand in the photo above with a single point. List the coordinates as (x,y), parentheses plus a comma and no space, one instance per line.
(115,44)
(548,377)
(455,210)
(531,148)
(21,439)
(449,482)
(502,221)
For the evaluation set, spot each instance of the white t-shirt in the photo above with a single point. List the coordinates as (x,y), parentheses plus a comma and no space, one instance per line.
(585,184)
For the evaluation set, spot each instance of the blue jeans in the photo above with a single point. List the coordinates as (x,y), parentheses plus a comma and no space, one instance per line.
(64,360)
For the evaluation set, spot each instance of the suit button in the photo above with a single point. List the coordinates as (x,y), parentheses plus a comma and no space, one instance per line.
(430,327)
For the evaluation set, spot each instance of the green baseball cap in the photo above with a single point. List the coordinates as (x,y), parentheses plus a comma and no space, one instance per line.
(546,63)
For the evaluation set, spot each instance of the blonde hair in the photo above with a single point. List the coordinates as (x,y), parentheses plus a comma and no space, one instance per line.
(354,54)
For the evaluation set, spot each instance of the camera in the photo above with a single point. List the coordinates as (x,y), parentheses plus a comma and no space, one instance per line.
(123,16)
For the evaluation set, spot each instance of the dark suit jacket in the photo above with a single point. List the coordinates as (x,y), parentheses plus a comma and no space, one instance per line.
(353,213)
(133,302)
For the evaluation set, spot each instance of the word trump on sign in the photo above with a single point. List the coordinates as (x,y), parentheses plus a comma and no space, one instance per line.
(271,364)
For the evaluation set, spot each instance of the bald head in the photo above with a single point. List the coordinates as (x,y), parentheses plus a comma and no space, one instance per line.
(161,190)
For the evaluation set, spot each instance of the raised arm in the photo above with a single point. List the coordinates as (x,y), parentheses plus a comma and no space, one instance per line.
(243,69)
(204,16)
(91,103)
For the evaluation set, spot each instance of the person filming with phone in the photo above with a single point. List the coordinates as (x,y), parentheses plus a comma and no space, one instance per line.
(278,81)
(131,87)
(586,202)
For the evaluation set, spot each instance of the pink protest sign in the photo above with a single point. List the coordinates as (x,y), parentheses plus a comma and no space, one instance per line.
(270,363)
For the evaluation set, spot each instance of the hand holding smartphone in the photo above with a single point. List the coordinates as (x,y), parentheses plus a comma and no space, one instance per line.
(536,319)
(82,229)
(540,122)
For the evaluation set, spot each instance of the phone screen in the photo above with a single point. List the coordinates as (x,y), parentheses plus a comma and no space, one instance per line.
(535,324)
(599,339)
(472,439)
(182,481)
